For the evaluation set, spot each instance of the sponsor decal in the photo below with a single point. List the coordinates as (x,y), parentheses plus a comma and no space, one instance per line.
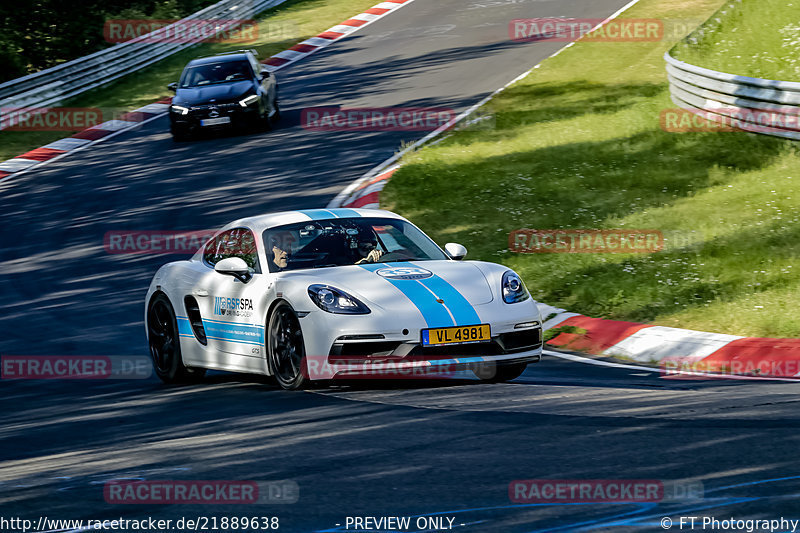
(239,307)
(404,273)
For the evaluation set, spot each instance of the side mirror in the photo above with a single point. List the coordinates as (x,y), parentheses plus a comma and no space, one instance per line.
(173,86)
(264,73)
(455,251)
(234,266)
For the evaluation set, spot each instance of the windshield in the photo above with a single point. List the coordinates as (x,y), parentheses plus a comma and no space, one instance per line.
(211,73)
(346,241)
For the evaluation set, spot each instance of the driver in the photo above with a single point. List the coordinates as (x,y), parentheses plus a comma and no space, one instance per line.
(368,248)
(280,256)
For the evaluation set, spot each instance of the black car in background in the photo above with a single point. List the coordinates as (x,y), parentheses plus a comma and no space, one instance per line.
(223,91)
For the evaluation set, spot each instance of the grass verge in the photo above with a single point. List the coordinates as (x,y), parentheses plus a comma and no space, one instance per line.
(757,38)
(279,28)
(578,144)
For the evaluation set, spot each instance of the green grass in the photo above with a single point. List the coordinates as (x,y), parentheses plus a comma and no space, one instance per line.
(279,29)
(578,144)
(757,38)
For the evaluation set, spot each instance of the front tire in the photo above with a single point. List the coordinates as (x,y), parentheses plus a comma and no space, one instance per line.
(165,346)
(285,348)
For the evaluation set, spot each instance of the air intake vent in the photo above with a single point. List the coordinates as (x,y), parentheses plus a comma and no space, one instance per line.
(193,312)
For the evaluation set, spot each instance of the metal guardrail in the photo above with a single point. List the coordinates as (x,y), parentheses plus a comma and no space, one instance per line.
(54,85)
(752,104)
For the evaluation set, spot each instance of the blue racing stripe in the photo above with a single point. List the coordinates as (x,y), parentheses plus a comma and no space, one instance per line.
(459,306)
(434,313)
(344,213)
(233,332)
(318,214)
(184,327)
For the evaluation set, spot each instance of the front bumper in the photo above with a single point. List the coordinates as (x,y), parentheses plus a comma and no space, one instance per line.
(376,356)
(192,121)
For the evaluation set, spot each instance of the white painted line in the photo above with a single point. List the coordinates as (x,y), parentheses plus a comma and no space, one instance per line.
(16,164)
(67,144)
(337,201)
(386,5)
(658,342)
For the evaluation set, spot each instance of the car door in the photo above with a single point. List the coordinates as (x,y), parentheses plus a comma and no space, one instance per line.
(231,309)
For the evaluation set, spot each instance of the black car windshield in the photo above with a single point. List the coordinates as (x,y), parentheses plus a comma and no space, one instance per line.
(212,73)
(346,241)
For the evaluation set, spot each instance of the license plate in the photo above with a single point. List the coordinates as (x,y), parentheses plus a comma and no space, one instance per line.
(215,121)
(456,335)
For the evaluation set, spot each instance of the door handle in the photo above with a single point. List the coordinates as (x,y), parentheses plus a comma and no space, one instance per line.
(202,293)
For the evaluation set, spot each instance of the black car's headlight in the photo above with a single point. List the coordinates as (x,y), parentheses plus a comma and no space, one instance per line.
(513,289)
(336,301)
(179,109)
(246,101)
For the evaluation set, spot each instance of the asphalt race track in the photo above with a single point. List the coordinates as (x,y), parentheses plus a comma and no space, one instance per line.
(445,449)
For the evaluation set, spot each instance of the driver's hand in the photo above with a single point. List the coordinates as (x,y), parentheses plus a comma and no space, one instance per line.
(372,256)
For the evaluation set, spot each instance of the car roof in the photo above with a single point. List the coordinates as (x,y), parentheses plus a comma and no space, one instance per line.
(261,222)
(224,58)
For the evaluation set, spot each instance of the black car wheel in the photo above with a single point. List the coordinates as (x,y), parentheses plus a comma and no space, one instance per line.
(165,347)
(285,348)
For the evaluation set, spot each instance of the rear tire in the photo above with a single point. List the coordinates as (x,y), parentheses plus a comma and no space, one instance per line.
(500,373)
(286,352)
(165,346)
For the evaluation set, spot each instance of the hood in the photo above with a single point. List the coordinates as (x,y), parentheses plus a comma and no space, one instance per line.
(221,92)
(383,285)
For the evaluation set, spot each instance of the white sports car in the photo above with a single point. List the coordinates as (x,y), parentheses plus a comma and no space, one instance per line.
(329,293)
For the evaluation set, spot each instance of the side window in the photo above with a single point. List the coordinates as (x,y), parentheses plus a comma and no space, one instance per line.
(239,242)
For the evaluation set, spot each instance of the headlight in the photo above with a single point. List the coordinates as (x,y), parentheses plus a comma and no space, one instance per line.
(335,301)
(249,100)
(179,109)
(513,289)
